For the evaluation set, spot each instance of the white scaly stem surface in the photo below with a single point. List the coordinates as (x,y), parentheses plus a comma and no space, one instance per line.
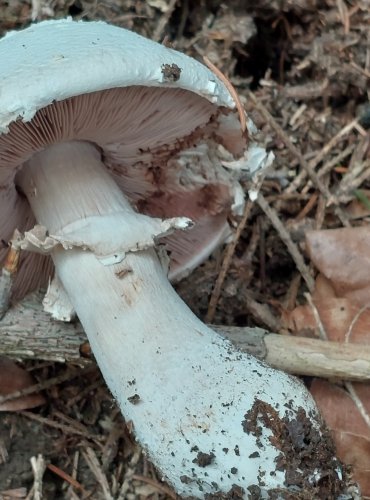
(185,388)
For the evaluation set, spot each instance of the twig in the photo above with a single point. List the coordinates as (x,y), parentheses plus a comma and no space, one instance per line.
(308,207)
(305,91)
(288,143)
(38,469)
(303,162)
(13,494)
(130,470)
(111,444)
(71,492)
(30,494)
(320,156)
(94,465)
(66,477)
(158,32)
(348,385)
(290,298)
(353,322)
(353,394)
(230,249)
(40,386)
(262,252)
(344,16)
(261,312)
(316,315)
(252,244)
(301,355)
(183,19)
(365,72)
(234,94)
(287,240)
(320,213)
(67,429)
(4,455)
(161,488)
(69,420)
(358,170)
(84,392)
(328,165)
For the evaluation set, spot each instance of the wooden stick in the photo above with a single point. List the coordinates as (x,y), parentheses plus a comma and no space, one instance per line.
(287,240)
(27,332)
(303,356)
(226,261)
(66,477)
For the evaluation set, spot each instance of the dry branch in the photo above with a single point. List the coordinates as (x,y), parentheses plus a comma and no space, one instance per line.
(27,332)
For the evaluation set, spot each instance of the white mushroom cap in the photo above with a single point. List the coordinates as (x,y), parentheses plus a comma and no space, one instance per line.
(54,60)
(157,115)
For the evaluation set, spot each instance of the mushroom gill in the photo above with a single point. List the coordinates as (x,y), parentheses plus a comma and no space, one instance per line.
(140,130)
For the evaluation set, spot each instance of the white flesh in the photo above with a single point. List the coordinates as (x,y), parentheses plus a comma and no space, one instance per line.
(185,388)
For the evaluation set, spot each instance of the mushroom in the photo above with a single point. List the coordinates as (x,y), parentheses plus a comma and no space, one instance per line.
(111,142)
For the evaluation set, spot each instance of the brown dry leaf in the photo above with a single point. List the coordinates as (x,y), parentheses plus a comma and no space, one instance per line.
(343,257)
(342,290)
(14,378)
(351,433)
(339,308)
(356,209)
(341,319)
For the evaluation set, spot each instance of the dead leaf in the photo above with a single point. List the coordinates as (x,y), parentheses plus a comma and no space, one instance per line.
(343,257)
(339,310)
(14,378)
(342,320)
(342,289)
(351,432)
(357,209)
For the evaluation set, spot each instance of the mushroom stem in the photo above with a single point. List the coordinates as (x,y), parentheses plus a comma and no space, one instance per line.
(211,418)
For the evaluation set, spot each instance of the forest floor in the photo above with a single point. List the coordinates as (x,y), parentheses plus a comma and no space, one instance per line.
(302,70)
